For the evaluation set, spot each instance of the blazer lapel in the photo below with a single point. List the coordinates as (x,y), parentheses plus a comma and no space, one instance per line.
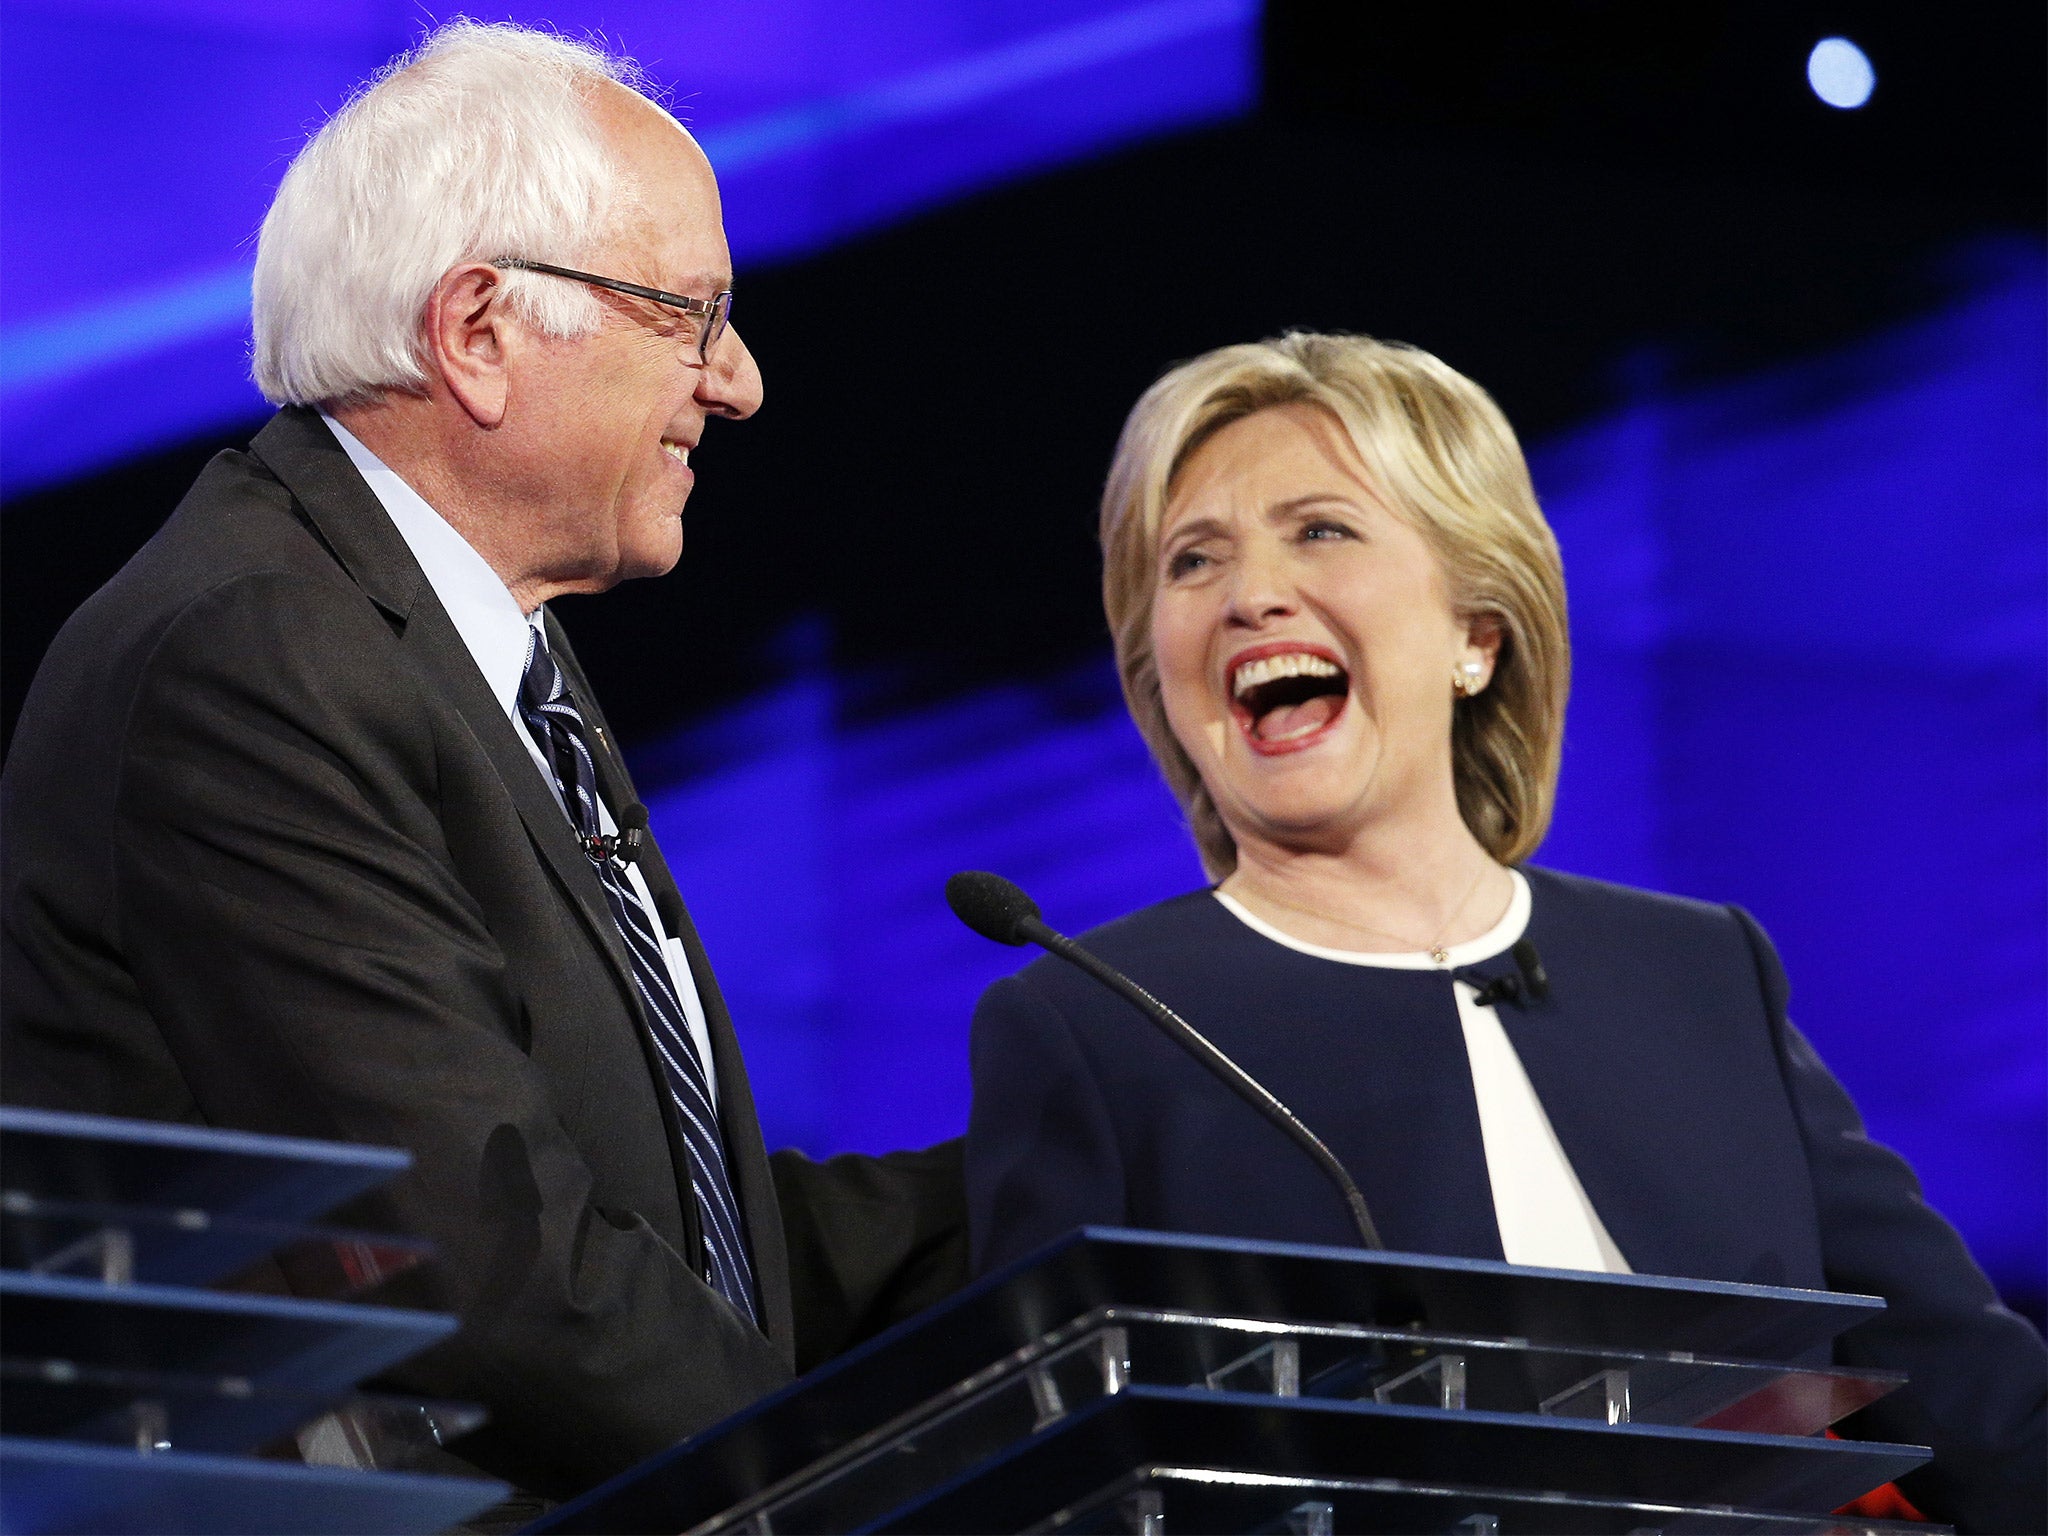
(1579,1048)
(345,513)
(301,452)
(442,651)
(296,446)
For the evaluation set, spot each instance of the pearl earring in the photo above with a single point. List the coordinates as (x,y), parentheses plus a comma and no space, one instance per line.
(1466,679)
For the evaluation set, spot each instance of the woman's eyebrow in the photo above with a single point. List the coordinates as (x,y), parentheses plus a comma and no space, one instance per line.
(1295,504)
(1200,527)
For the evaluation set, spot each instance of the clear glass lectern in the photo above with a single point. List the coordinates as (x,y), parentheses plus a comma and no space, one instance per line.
(142,1391)
(1142,1382)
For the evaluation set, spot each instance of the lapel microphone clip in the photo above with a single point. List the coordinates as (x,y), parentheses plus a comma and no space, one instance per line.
(625,845)
(1527,984)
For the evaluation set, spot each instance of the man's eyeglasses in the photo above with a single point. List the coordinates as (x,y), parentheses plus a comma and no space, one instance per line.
(711,315)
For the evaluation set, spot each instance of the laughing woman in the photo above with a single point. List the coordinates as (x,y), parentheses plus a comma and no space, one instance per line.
(1340,621)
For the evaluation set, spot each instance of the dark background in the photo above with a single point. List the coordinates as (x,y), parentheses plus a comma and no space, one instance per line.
(1547,196)
(1576,204)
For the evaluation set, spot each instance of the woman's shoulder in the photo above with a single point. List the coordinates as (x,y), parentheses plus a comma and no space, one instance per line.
(1161,933)
(1168,922)
(1582,897)
(1559,902)
(1156,945)
(1650,929)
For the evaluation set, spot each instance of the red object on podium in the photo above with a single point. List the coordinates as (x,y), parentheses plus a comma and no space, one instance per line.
(1885,1503)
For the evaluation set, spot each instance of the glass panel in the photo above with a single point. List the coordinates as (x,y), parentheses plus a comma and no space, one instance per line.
(1602,1395)
(1498,1375)
(1792,1402)
(1515,1376)
(127,1162)
(1273,1368)
(52,1486)
(1297,1289)
(126,1244)
(154,1411)
(1018,1399)
(276,1341)
(1537,1470)
(1439,1382)
(1041,1387)
(1192,1499)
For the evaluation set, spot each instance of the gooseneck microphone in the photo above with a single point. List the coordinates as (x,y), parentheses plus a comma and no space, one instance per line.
(996,909)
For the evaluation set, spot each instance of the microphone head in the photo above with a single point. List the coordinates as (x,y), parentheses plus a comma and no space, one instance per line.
(990,905)
(633,818)
(1530,964)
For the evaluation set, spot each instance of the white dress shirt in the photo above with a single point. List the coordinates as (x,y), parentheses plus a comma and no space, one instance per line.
(1544,1216)
(487,617)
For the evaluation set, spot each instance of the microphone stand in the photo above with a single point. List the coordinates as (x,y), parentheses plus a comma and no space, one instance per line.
(1242,1083)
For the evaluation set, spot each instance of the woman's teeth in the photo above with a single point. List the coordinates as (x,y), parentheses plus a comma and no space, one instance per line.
(675,451)
(1271,668)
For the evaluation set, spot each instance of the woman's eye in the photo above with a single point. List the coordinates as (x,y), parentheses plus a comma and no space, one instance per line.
(1325,530)
(1185,563)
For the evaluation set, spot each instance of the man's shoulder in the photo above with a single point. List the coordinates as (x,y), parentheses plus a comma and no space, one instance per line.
(238,529)
(237,518)
(236,580)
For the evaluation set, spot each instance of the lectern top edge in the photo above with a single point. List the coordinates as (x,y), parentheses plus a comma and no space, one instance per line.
(1115,1282)
(1412,1262)
(17,1120)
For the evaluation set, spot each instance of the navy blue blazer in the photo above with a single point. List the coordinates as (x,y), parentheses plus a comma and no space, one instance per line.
(1706,1132)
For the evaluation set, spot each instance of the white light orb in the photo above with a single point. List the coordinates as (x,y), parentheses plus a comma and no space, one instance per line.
(1840,73)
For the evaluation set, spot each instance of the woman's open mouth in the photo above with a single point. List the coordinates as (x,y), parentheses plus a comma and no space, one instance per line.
(1286,695)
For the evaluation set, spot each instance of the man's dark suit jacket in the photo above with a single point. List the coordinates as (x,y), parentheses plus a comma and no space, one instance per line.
(1708,1135)
(276,860)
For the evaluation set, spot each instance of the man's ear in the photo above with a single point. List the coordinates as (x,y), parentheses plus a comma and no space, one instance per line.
(466,332)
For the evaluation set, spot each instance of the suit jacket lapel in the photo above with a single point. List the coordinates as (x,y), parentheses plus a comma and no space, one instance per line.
(300,451)
(297,447)
(347,517)
(443,653)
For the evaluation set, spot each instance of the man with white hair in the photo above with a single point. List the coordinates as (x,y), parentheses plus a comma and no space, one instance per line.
(314,826)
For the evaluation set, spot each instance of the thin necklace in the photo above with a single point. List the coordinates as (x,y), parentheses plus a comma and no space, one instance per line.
(1436,948)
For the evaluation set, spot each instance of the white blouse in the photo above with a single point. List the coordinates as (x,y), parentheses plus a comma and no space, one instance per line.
(1544,1216)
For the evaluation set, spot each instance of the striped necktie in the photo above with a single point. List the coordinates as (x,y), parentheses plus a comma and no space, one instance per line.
(557,726)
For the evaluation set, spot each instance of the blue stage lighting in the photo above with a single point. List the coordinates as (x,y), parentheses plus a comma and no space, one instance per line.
(1764,709)
(1840,73)
(815,138)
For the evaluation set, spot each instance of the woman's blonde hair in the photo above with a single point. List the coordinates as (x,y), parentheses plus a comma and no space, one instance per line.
(1438,448)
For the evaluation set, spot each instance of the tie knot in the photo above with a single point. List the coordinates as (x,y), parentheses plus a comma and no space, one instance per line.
(541,683)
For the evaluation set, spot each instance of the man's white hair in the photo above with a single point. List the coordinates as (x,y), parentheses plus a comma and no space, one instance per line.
(480,143)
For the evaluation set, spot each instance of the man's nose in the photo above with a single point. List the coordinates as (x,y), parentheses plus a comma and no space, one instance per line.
(730,383)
